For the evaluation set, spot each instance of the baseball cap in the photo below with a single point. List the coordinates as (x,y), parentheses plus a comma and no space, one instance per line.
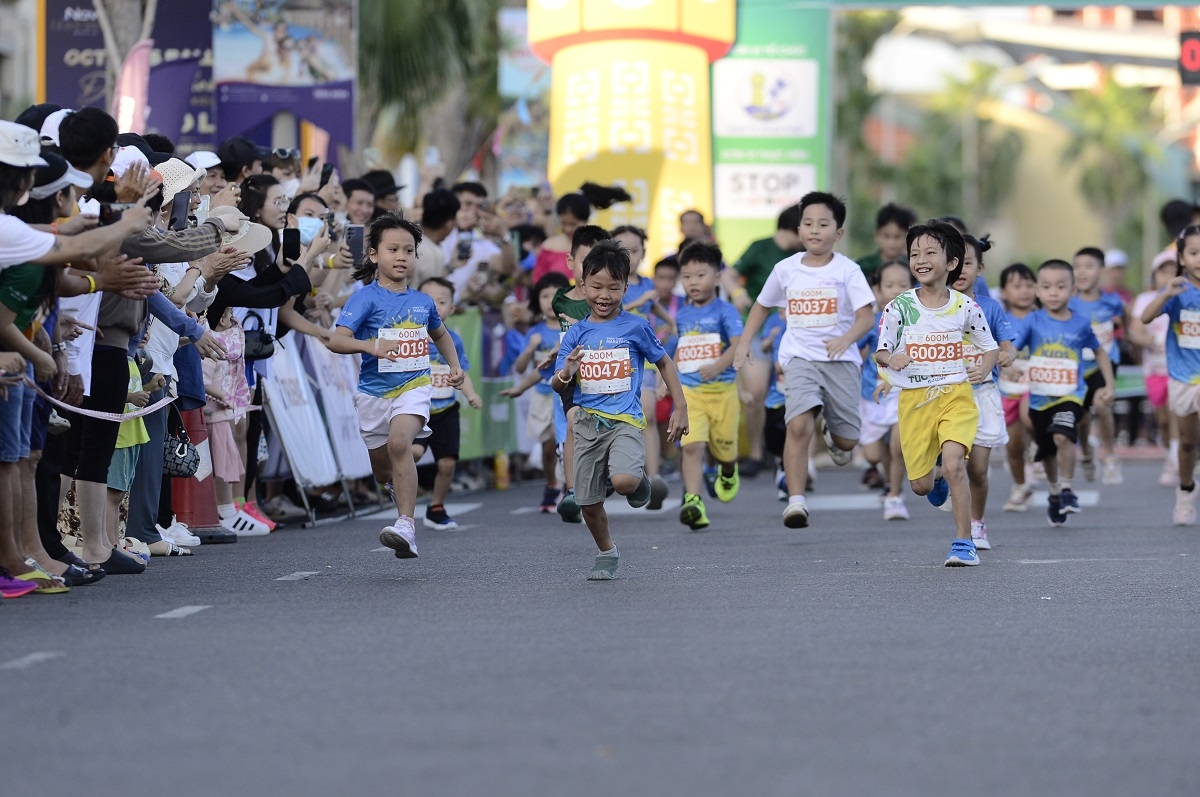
(19,146)
(1115,258)
(126,157)
(49,129)
(35,115)
(238,152)
(56,175)
(203,159)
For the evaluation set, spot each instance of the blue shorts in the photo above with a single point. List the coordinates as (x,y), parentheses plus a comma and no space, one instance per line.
(16,421)
(123,468)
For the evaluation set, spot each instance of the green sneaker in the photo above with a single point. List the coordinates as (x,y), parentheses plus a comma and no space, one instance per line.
(727,486)
(605,568)
(692,513)
(568,510)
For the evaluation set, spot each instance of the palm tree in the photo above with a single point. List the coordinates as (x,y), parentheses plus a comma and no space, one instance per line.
(1113,143)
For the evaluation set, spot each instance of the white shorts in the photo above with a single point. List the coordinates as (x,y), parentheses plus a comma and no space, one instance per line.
(993,432)
(375,414)
(878,419)
(540,423)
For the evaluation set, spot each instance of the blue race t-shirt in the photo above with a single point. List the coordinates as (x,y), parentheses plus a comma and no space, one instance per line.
(609,382)
(1002,330)
(870,368)
(640,296)
(1103,313)
(443,397)
(705,332)
(775,397)
(547,345)
(1055,358)
(408,317)
(1183,336)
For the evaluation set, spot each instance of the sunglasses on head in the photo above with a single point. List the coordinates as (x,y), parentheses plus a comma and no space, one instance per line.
(286,153)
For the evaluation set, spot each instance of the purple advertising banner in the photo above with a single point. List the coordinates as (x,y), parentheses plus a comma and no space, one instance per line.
(180,97)
(298,57)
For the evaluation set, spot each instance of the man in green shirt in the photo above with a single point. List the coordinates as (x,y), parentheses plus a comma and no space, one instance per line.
(746,278)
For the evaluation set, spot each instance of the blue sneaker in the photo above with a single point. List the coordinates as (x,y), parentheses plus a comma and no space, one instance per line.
(940,492)
(962,554)
(1055,513)
(1069,502)
(710,480)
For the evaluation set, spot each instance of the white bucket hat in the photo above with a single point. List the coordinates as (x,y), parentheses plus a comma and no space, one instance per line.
(251,237)
(20,146)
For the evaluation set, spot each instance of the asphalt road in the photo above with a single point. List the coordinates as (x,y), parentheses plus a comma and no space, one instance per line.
(747,660)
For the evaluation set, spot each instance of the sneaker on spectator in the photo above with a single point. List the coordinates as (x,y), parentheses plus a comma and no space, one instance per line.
(979,535)
(243,525)
(178,533)
(281,508)
(251,509)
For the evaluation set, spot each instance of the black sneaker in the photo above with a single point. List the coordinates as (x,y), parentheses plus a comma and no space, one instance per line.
(1055,513)
(436,518)
(1070,503)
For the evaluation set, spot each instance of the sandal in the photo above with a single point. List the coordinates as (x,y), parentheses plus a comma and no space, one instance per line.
(120,563)
(136,548)
(77,576)
(168,548)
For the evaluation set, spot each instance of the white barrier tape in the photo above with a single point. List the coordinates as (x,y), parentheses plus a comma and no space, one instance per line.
(115,417)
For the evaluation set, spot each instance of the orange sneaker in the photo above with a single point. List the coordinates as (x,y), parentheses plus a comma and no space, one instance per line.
(251,509)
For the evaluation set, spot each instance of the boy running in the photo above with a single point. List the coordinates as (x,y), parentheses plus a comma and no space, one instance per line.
(600,361)
(921,340)
(1056,338)
(828,306)
(709,331)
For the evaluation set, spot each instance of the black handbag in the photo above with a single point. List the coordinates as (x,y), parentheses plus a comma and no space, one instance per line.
(181,460)
(260,345)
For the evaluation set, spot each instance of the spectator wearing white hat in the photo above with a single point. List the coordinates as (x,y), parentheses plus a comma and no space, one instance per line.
(214,176)
(1116,262)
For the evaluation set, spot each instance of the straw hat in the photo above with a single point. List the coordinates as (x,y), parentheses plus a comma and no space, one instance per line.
(177,176)
(250,237)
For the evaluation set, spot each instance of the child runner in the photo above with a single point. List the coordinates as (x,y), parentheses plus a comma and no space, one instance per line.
(1107,314)
(709,331)
(600,363)
(921,339)
(991,431)
(1056,338)
(570,306)
(1180,300)
(541,347)
(828,305)
(445,427)
(880,436)
(1152,339)
(1018,289)
(640,299)
(391,325)
(891,225)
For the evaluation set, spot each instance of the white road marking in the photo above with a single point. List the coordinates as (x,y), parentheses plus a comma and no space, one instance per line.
(182,611)
(866,501)
(1062,561)
(30,659)
(381,549)
(617,505)
(524,510)
(298,576)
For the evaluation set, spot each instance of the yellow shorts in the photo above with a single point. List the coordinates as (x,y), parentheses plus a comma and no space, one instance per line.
(931,417)
(713,418)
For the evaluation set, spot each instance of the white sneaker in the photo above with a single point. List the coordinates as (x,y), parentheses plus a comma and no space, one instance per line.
(245,525)
(1112,472)
(1170,473)
(178,533)
(401,537)
(281,508)
(1018,498)
(894,508)
(840,456)
(979,535)
(1185,508)
(796,515)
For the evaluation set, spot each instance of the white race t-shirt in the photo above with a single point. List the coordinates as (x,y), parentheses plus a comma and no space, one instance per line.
(819,304)
(20,243)
(933,337)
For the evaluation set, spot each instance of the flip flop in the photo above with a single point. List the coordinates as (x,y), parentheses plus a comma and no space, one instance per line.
(46,583)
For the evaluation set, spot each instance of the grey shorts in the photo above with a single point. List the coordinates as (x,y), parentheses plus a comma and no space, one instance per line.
(603,447)
(833,387)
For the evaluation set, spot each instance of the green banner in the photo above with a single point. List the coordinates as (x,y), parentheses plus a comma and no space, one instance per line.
(493,428)
(771,118)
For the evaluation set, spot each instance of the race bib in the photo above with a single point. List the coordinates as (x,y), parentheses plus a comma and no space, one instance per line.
(972,355)
(1189,329)
(413,354)
(812,307)
(1021,386)
(1052,376)
(934,353)
(696,351)
(605,371)
(439,375)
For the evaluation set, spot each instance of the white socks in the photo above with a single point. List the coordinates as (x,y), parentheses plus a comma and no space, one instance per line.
(225,511)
